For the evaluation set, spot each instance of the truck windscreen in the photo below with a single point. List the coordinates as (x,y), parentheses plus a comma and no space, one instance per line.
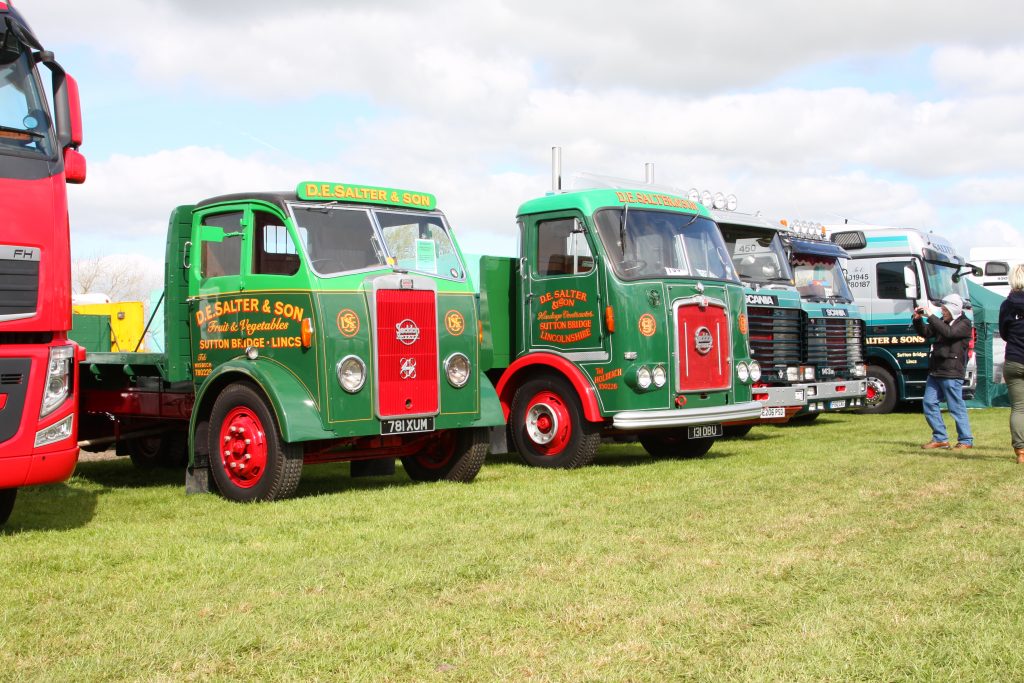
(939,279)
(24,122)
(757,255)
(341,240)
(820,278)
(658,244)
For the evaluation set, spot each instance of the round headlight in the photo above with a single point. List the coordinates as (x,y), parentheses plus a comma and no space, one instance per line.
(693,195)
(731,202)
(659,376)
(755,371)
(705,198)
(351,373)
(643,378)
(718,201)
(456,367)
(742,371)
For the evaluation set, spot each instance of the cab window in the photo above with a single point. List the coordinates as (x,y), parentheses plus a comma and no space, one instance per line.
(274,252)
(224,258)
(562,248)
(891,283)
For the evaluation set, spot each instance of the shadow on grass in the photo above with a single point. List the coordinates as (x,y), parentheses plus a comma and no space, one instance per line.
(336,478)
(55,507)
(122,474)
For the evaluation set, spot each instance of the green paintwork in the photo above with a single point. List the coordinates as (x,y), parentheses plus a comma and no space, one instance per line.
(365,194)
(228,314)
(518,322)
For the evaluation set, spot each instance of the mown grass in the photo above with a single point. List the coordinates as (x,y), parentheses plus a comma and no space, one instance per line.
(839,552)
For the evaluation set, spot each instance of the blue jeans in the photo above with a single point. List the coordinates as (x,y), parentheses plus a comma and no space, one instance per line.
(952,392)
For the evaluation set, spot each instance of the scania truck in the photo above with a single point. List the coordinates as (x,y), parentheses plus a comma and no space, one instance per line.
(893,270)
(332,323)
(621,317)
(808,339)
(39,156)
(834,347)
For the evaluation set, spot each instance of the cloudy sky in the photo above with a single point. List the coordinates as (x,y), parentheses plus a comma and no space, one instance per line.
(905,113)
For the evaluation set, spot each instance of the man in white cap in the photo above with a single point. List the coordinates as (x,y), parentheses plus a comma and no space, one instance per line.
(946,367)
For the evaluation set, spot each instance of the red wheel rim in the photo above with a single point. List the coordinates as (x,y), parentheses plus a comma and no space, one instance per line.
(440,452)
(548,423)
(243,447)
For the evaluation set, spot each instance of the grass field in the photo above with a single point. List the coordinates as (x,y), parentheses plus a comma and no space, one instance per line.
(838,551)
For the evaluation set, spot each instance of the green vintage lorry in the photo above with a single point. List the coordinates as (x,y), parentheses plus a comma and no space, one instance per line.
(332,323)
(622,317)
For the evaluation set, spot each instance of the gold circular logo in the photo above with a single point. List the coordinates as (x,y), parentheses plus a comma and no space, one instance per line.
(454,323)
(648,325)
(348,322)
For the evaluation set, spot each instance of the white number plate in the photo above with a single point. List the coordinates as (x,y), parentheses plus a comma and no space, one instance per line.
(703,432)
(837,404)
(408,425)
(777,411)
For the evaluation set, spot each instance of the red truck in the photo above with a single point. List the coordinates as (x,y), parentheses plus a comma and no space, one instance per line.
(39,142)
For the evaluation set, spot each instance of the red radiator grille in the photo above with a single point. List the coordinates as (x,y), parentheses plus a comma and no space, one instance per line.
(698,330)
(407,367)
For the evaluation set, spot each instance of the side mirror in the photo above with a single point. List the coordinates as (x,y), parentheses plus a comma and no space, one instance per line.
(74,111)
(910,282)
(74,166)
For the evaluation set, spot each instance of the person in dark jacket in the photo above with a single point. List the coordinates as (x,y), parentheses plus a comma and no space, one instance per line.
(1011,329)
(946,366)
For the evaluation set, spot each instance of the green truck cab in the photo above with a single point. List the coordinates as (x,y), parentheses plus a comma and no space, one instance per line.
(622,316)
(333,323)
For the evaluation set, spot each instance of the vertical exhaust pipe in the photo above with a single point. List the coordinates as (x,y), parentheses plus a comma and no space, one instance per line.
(649,173)
(556,170)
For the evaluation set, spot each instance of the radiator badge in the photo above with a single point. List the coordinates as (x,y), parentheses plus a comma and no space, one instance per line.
(408,370)
(703,341)
(407,332)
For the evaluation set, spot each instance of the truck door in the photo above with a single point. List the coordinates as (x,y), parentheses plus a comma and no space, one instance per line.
(562,286)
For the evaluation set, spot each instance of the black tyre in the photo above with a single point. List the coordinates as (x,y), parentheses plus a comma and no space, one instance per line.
(736,431)
(457,455)
(169,450)
(674,444)
(7,497)
(548,426)
(248,458)
(882,391)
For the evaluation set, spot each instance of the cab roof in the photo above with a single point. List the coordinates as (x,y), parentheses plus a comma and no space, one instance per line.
(590,200)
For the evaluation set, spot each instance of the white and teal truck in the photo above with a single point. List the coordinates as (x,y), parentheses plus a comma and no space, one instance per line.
(891,271)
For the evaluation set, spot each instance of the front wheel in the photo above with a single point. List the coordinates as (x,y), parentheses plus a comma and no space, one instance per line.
(548,426)
(248,458)
(675,444)
(7,497)
(168,450)
(456,455)
(882,391)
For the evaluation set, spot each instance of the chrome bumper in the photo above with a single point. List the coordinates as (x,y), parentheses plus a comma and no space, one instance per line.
(854,388)
(783,396)
(683,417)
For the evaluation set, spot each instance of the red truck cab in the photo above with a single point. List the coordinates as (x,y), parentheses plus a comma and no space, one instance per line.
(38,363)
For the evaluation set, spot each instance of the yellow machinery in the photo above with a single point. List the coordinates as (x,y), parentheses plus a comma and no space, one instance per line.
(109,327)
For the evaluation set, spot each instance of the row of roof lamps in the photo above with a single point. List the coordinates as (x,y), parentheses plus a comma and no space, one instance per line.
(724,202)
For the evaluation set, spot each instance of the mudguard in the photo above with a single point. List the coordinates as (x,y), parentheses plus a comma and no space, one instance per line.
(883,356)
(295,408)
(491,414)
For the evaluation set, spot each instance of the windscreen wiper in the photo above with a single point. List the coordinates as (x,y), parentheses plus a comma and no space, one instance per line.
(20,131)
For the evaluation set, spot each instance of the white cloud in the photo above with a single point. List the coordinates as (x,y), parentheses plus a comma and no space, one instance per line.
(1008,190)
(978,70)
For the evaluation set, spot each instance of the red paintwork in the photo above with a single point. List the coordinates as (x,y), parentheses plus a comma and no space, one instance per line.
(137,403)
(511,379)
(34,214)
(418,394)
(21,463)
(3,401)
(696,371)
(370,448)
(555,421)
(243,447)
